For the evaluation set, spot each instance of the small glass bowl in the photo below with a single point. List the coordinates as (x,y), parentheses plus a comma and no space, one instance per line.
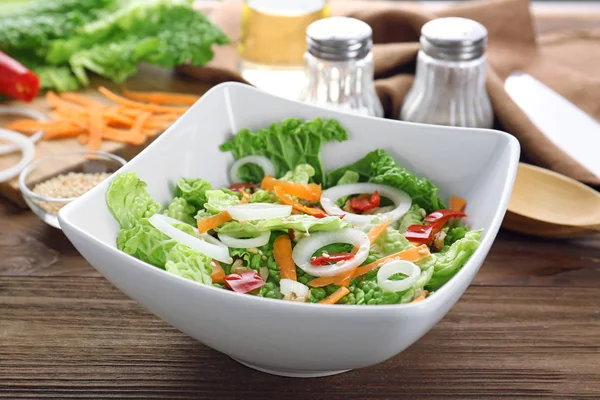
(81,161)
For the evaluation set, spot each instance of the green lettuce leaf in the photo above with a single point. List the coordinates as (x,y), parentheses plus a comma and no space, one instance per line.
(414,216)
(380,167)
(128,200)
(181,210)
(145,242)
(389,242)
(287,144)
(193,190)
(409,295)
(452,258)
(301,223)
(219,200)
(264,196)
(454,232)
(301,174)
(189,264)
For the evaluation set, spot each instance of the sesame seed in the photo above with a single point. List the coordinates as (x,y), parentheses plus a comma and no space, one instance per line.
(73,184)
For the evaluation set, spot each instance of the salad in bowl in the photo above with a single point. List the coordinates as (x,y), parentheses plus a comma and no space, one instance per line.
(368,233)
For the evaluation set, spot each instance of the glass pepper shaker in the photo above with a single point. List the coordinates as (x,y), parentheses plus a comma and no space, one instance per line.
(339,66)
(449,86)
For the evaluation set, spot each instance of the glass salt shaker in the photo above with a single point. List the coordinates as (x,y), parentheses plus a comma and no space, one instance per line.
(449,86)
(339,66)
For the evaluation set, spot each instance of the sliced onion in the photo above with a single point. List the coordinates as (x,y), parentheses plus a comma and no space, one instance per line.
(288,286)
(252,211)
(263,162)
(398,266)
(237,243)
(401,200)
(208,247)
(307,246)
(208,238)
(27,148)
(27,112)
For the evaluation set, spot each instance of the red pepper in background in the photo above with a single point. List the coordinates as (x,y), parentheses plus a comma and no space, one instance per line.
(238,187)
(444,216)
(244,282)
(365,204)
(331,258)
(16,81)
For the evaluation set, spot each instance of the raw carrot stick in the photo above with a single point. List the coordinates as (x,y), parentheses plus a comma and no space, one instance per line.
(377,230)
(309,191)
(63,132)
(282,251)
(208,223)
(336,296)
(164,117)
(123,136)
(342,279)
(56,102)
(138,125)
(457,203)
(413,254)
(218,274)
(79,99)
(418,299)
(96,125)
(245,197)
(129,112)
(161,97)
(282,195)
(134,104)
(114,117)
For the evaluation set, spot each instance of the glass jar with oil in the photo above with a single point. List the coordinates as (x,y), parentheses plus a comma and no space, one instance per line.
(273,42)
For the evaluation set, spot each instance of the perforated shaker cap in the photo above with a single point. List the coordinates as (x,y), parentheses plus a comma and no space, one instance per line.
(339,39)
(454,39)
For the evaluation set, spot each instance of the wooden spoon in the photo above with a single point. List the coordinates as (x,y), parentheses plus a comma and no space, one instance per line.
(545,203)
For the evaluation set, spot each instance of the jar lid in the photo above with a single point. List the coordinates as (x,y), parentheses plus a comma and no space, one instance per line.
(339,39)
(454,39)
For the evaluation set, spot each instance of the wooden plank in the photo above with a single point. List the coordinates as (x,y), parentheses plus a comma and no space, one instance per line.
(497,342)
(148,78)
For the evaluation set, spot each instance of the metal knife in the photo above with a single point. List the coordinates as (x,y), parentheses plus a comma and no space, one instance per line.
(566,125)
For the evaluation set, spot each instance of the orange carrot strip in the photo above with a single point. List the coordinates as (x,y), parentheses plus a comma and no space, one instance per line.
(336,296)
(129,112)
(63,132)
(342,279)
(309,191)
(113,117)
(138,125)
(134,104)
(79,99)
(161,97)
(282,251)
(56,102)
(164,117)
(123,136)
(208,223)
(245,197)
(413,254)
(152,132)
(218,274)
(282,195)
(377,230)
(96,125)
(457,203)
(418,299)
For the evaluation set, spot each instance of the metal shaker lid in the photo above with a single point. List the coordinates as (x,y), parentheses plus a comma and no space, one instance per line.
(454,39)
(339,39)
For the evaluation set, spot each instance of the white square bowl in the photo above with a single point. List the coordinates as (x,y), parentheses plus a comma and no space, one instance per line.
(288,338)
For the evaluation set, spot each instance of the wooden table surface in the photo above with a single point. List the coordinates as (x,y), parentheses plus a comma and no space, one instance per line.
(528,327)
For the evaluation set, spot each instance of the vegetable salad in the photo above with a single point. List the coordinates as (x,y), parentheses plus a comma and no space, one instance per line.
(368,233)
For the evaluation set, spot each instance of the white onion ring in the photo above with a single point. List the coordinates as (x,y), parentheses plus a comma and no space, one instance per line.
(27,112)
(238,243)
(261,161)
(26,146)
(394,267)
(307,246)
(253,211)
(288,286)
(207,247)
(208,238)
(401,200)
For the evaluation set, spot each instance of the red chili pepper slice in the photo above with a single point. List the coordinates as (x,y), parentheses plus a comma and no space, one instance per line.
(238,187)
(244,282)
(16,81)
(330,258)
(365,203)
(443,216)
(423,234)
